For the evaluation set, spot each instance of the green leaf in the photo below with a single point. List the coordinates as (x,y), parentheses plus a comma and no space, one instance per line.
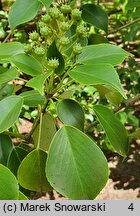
(38,82)
(21,196)
(27,64)
(31,173)
(81,170)
(15,159)
(22,12)
(9,75)
(97,39)
(112,95)
(32,98)
(66,95)
(10,108)
(102,53)
(48,130)
(2,69)
(131,4)
(114,129)
(6,90)
(53,52)
(6,147)
(71,113)
(97,74)
(10,49)
(8,184)
(95,15)
(46,3)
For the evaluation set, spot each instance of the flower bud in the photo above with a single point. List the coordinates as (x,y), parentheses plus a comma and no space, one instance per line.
(65,9)
(54,12)
(53,63)
(39,51)
(46,18)
(76,14)
(81,31)
(64,26)
(34,36)
(45,31)
(64,41)
(77,49)
(28,48)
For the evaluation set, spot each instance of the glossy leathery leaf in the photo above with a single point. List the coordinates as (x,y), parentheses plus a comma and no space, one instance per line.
(53,53)
(38,82)
(6,147)
(10,108)
(48,130)
(31,172)
(102,53)
(22,12)
(27,64)
(9,189)
(71,113)
(95,15)
(32,98)
(10,49)
(114,129)
(15,159)
(9,75)
(81,171)
(97,74)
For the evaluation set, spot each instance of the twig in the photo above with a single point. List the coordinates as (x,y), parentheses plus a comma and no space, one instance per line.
(125,26)
(7,38)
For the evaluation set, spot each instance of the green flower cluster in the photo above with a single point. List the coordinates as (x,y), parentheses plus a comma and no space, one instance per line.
(64,26)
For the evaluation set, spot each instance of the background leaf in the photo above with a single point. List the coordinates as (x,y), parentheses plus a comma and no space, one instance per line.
(32,98)
(27,64)
(102,53)
(23,11)
(31,173)
(6,90)
(8,184)
(46,3)
(76,167)
(48,130)
(10,49)
(9,75)
(95,15)
(71,113)
(10,108)
(97,74)
(114,129)
(6,147)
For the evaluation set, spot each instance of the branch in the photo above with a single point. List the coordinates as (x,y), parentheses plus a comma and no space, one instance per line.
(125,26)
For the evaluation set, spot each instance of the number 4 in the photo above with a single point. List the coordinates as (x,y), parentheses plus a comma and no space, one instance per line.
(131,207)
